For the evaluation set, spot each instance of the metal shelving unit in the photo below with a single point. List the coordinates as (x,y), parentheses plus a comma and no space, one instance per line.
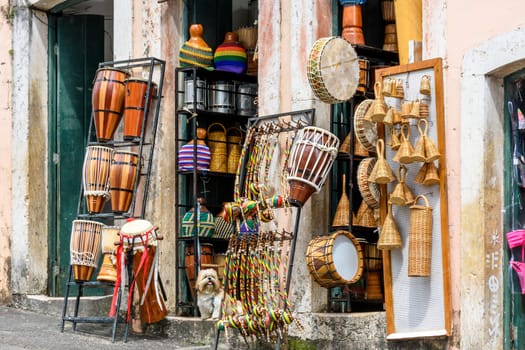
(153,72)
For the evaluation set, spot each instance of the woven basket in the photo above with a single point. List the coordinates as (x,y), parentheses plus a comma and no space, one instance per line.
(382,173)
(342,213)
(389,237)
(217,145)
(234,137)
(420,239)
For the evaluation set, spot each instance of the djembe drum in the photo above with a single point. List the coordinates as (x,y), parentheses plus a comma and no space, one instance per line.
(310,161)
(85,248)
(108,269)
(335,260)
(122,178)
(108,101)
(95,177)
(140,238)
(139,94)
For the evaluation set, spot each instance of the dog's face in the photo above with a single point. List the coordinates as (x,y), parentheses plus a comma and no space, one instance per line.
(208,282)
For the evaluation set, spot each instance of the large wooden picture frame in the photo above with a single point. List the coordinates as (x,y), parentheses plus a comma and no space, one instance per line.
(418,307)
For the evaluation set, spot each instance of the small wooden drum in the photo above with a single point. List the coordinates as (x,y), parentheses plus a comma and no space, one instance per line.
(195,94)
(333,69)
(85,248)
(221,97)
(108,101)
(108,271)
(139,94)
(246,100)
(335,260)
(122,178)
(206,258)
(364,75)
(141,237)
(95,176)
(310,161)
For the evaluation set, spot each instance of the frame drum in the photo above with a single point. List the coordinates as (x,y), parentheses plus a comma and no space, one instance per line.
(335,259)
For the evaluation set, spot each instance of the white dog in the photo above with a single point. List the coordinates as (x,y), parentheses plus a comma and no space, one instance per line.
(209,294)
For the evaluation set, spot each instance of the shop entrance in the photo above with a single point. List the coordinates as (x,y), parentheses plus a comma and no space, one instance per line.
(76,42)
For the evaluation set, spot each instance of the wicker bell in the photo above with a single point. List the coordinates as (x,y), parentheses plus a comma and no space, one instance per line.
(387,86)
(217,144)
(366,216)
(414,111)
(344,149)
(378,107)
(428,175)
(406,108)
(423,109)
(389,237)
(419,154)
(406,150)
(382,173)
(400,91)
(389,116)
(424,86)
(420,239)
(394,139)
(402,194)
(342,213)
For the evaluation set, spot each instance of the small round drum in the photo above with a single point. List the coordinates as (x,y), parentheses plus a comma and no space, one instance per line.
(335,260)
(221,97)
(246,100)
(122,178)
(108,101)
(95,176)
(136,110)
(141,236)
(311,158)
(333,69)
(85,248)
(108,270)
(195,97)
(206,258)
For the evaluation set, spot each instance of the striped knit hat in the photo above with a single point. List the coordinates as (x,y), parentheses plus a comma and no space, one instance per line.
(230,56)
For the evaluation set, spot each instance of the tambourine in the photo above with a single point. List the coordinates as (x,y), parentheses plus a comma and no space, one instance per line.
(365,129)
(369,190)
(333,69)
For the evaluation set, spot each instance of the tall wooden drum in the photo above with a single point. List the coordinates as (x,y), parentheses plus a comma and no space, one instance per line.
(95,176)
(85,248)
(108,101)
(122,178)
(136,103)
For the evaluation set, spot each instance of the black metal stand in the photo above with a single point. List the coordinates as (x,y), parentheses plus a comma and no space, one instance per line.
(151,66)
(298,120)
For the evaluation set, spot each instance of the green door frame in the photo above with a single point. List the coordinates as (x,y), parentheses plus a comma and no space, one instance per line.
(513,304)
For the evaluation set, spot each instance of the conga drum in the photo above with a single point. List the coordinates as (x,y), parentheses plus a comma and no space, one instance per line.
(85,248)
(95,176)
(122,178)
(139,94)
(141,237)
(335,260)
(108,269)
(206,258)
(313,153)
(108,101)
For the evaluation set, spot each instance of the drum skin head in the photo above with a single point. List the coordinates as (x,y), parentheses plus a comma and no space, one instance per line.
(346,259)
(136,227)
